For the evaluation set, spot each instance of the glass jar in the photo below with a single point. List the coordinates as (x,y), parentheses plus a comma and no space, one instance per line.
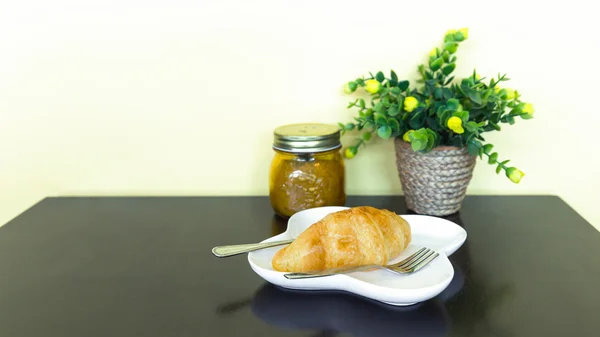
(307,169)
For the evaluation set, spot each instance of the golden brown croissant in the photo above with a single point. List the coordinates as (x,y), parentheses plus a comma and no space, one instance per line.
(352,237)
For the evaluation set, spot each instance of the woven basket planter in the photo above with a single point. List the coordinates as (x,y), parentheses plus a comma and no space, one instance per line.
(434,183)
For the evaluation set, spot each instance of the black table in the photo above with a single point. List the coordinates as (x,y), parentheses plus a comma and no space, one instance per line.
(75,267)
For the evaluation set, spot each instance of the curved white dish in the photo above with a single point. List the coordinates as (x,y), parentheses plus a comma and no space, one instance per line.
(438,234)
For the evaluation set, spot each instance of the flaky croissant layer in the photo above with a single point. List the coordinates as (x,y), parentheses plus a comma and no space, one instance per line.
(351,237)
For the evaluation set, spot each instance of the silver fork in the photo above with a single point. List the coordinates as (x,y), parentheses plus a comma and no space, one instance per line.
(409,265)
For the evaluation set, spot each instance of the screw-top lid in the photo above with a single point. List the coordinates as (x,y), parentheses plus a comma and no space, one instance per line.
(307,137)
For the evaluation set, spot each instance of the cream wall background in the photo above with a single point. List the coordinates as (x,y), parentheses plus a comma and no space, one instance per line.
(180,97)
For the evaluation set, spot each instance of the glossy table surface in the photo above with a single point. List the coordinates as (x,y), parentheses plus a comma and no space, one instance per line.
(143,267)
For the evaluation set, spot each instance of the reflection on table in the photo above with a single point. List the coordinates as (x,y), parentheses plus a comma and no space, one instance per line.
(327,311)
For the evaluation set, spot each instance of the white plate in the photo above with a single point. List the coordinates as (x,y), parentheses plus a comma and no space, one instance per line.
(435,233)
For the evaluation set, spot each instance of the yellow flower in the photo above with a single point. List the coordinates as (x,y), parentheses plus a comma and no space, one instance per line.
(528,109)
(514,174)
(350,152)
(372,86)
(455,124)
(451,32)
(465,32)
(510,94)
(433,52)
(406,134)
(477,77)
(410,103)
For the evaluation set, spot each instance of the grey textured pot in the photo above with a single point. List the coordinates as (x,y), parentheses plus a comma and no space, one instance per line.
(434,183)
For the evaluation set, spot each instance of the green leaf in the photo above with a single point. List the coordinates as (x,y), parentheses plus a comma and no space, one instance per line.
(445,116)
(393,110)
(349,127)
(427,90)
(475,97)
(471,127)
(415,121)
(448,69)
(451,47)
(342,126)
(447,93)
(526,116)
(437,64)
(430,143)
(494,125)
(446,56)
(487,94)
(384,132)
(400,101)
(433,124)
(439,77)
(403,85)
(362,103)
(437,93)
(380,119)
(395,91)
(473,147)
(440,110)
(421,69)
(393,123)
(416,135)
(452,104)
(378,107)
(366,136)
(380,77)
(498,169)
(493,158)
(495,117)
(394,76)
(418,145)
(487,148)
(504,162)
(433,133)
(463,115)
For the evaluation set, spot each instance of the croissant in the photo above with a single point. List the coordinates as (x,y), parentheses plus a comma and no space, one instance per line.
(351,237)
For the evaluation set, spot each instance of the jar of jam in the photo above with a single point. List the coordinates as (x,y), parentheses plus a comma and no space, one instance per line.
(307,169)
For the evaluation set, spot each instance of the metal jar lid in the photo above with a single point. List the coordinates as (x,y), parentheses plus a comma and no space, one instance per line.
(307,137)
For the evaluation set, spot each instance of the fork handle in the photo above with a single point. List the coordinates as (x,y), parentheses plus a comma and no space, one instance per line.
(329,272)
(226,251)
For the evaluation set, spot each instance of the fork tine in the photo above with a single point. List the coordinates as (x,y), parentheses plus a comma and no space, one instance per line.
(425,262)
(422,258)
(410,258)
